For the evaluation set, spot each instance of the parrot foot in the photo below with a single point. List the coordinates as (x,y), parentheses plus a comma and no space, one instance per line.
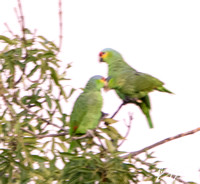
(89,133)
(132,100)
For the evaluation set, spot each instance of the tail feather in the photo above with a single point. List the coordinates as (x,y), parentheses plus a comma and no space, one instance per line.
(163,89)
(149,120)
(145,107)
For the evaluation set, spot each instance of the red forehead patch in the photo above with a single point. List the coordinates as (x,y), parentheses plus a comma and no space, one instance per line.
(101,53)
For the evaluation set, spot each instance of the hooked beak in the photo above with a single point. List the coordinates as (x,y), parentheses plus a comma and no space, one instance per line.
(106,88)
(101,59)
(101,56)
(104,80)
(108,78)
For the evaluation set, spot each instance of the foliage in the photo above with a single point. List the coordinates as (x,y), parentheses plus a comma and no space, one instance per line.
(34,137)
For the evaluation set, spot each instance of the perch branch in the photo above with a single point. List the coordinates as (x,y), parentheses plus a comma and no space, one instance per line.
(117,110)
(43,136)
(134,153)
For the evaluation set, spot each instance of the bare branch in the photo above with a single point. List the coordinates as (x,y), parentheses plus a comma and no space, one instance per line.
(21,19)
(8,28)
(30,132)
(134,153)
(88,134)
(117,110)
(128,129)
(43,136)
(61,24)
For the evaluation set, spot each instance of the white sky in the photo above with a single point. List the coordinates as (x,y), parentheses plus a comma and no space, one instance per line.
(161,38)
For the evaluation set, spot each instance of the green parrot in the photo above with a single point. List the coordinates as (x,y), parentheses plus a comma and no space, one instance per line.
(86,113)
(130,85)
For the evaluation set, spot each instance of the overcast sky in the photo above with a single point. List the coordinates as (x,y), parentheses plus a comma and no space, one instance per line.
(161,38)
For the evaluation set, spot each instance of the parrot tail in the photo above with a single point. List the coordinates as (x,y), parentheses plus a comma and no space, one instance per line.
(145,107)
(149,120)
(163,89)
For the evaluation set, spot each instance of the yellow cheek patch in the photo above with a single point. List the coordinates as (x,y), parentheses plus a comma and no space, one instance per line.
(104,55)
(103,80)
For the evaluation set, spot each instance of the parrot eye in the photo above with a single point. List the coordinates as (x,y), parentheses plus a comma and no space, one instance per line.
(101,54)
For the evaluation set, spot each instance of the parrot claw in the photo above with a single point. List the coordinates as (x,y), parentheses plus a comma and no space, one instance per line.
(90,133)
(132,100)
(138,101)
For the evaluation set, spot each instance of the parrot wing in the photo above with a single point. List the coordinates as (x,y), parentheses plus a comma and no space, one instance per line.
(86,112)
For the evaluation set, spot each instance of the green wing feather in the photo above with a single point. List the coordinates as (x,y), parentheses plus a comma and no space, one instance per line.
(86,112)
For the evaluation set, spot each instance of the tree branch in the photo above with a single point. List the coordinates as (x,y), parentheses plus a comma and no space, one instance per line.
(117,110)
(61,25)
(8,28)
(128,129)
(43,136)
(173,176)
(134,153)
(21,19)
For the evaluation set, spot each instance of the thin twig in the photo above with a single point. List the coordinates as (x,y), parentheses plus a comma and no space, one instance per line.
(8,28)
(43,136)
(61,25)
(128,129)
(117,110)
(30,132)
(175,177)
(21,19)
(17,15)
(134,153)
(38,117)
(87,135)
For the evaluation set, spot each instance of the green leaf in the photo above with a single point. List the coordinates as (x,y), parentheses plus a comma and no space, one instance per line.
(48,100)
(27,31)
(71,92)
(30,140)
(62,145)
(33,70)
(58,106)
(54,75)
(112,133)
(6,39)
(39,158)
(109,121)
(33,86)
(110,146)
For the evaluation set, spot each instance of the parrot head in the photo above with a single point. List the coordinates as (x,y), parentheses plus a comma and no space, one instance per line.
(96,82)
(108,55)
